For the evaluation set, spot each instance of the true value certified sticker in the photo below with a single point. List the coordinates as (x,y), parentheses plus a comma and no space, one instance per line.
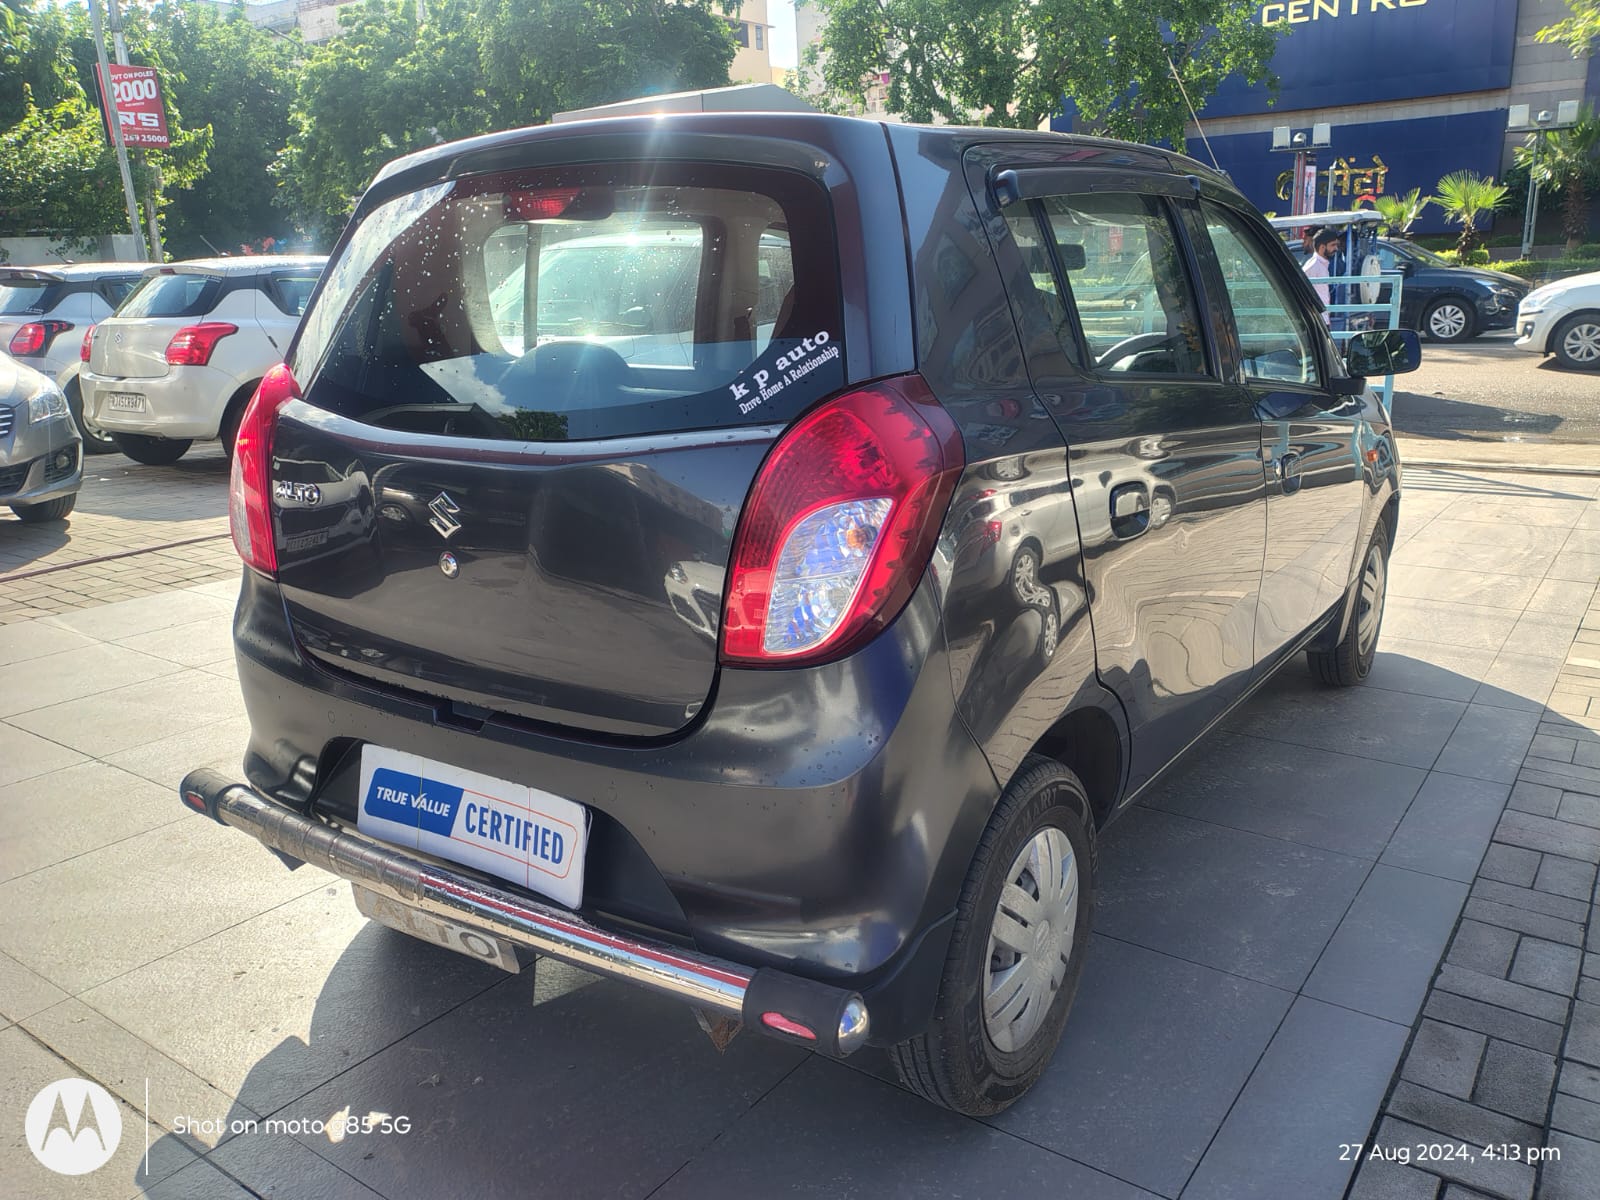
(507,829)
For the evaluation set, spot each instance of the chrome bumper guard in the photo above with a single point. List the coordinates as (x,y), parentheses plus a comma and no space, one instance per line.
(823,1017)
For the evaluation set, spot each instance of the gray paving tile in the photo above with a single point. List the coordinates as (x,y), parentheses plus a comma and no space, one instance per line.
(312,964)
(276,1167)
(1315,797)
(1434,551)
(1583,1035)
(1388,726)
(1457,1118)
(1489,743)
(104,723)
(1384,952)
(1502,993)
(31,640)
(100,805)
(1447,828)
(197,1181)
(1493,1020)
(1540,635)
(1536,798)
(1570,1114)
(1481,947)
(1444,1059)
(1580,1080)
(803,1140)
(1424,668)
(24,755)
(1533,900)
(129,617)
(1548,836)
(1510,864)
(1501,1179)
(1256,906)
(620,1086)
(1516,1080)
(1564,596)
(1565,877)
(84,671)
(1575,1173)
(1275,1142)
(1547,965)
(167,760)
(1171,1041)
(1383,1180)
(174,885)
(24,992)
(192,644)
(1468,625)
(1580,809)
(1407,579)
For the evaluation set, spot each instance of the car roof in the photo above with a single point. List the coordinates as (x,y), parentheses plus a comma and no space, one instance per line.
(62,272)
(249,264)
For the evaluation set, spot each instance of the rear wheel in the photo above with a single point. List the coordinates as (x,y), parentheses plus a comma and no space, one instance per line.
(152,451)
(94,441)
(1449,320)
(46,510)
(1017,950)
(1350,661)
(1577,342)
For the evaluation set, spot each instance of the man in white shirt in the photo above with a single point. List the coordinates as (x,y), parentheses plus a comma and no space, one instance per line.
(1324,245)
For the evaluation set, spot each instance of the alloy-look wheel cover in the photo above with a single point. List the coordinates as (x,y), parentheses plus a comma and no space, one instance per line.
(1447,321)
(1030,939)
(1374,585)
(1581,343)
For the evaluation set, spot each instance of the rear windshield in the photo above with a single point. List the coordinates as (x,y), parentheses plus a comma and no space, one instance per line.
(27,296)
(175,295)
(582,302)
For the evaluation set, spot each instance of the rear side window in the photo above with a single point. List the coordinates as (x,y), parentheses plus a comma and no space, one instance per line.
(175,295)
(290,293)
(115,289)
(19,296)
(1123,266)
(582,302)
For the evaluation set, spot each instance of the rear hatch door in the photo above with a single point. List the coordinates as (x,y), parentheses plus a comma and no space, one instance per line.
(534,402)
(25,295)
(132,344)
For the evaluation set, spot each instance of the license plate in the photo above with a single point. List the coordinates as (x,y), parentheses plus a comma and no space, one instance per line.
(474,943)
(510,830)
(125,402)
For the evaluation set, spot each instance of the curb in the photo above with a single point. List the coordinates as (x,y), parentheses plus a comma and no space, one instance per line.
(1454,464)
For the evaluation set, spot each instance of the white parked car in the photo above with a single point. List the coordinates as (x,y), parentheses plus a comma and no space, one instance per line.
(181,357)
(44,312)
(1563,318)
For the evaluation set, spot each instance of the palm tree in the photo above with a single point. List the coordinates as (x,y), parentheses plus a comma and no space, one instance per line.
(1465,196)
(1566,161)
(1401,212)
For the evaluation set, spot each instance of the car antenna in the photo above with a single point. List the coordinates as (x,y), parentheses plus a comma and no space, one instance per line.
(1184,92)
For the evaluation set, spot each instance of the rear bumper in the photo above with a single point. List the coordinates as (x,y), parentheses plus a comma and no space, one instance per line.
(833,1020)
(186,403)
(817,821)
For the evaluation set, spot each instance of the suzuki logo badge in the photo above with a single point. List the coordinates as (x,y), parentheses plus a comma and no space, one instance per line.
(444,511)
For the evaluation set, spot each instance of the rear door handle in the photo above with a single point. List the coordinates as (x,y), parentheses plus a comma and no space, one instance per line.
(1288,467)
(1130,509)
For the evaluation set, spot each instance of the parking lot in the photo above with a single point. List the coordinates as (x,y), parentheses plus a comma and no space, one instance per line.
(1272,922)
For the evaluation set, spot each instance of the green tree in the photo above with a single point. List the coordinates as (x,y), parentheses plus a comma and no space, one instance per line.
(1465,197)
(1010,62)
(1566,161)
(58,175)
(1401,212)
(1577,33)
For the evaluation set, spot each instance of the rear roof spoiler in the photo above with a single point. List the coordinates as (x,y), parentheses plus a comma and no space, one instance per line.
(35,274)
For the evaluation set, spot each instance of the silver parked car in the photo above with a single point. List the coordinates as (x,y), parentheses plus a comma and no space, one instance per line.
(41,454)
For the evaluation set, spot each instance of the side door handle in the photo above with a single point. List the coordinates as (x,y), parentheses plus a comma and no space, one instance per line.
(1288,467)
(1130,509)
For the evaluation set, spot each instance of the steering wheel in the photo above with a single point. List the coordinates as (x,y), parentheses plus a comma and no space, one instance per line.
(1130,348)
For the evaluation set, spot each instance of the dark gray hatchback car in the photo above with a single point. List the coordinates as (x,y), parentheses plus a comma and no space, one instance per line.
(753,556)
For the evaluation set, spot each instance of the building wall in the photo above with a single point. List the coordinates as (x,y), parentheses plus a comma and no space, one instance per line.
(752,61)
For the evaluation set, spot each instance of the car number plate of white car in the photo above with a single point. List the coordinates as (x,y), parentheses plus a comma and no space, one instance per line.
(125,402)
(474,943)
(516,832)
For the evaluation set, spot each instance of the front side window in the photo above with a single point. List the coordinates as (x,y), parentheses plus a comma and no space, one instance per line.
(1275,339)
(582,302)
(1128,281)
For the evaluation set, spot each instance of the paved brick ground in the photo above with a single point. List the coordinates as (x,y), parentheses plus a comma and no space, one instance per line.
(1506,1053)
(136,531)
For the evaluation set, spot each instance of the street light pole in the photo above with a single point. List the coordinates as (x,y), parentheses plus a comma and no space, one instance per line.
(114,120)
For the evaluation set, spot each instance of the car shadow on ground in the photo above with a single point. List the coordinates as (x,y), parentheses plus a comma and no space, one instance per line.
(1240,1013)
(1465,420)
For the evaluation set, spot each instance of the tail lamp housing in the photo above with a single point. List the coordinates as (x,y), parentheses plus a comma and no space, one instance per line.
(192,345)
(35,337)
(250,481)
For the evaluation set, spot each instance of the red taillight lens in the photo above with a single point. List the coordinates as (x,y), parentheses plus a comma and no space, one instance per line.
(35,337)
(545,204)
(192,345)
(839,525)
(88,341)
(250,484)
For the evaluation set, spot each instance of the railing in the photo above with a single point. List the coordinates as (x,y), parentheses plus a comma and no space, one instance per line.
(1390,309)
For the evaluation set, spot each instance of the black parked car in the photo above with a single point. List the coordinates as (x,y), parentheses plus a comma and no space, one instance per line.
(786,649)
(1443,301)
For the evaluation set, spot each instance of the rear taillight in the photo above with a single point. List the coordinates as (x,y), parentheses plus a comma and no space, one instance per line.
(839,525)
(250,484)
(88,342)
(35,337)
(192,345)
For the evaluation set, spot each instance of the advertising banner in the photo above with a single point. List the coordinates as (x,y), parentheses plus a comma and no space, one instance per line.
(1343,52)
(143,116)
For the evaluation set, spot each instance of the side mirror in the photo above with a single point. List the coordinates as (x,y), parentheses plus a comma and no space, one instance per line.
(1406,267)
(1073,257)
(1383,352)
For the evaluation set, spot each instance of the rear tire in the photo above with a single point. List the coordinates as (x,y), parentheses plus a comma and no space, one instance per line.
(46,510)
(1001,1010)
(152,451)
(94,442)
(1350,662)
(1450,319)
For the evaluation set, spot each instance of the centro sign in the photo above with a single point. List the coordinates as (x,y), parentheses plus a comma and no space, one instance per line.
(143,117)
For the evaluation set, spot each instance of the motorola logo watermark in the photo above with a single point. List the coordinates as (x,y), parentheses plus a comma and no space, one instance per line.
(73,1126)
